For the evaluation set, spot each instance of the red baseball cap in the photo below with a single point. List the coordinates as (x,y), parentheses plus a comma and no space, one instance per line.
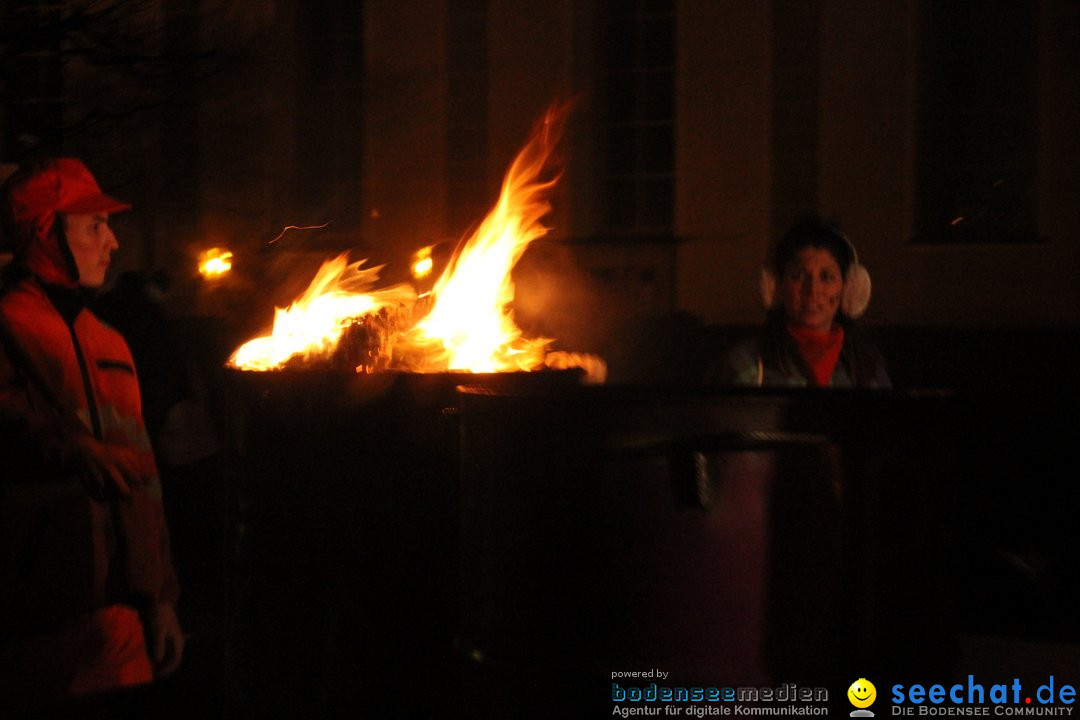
(60,185)
(33,195)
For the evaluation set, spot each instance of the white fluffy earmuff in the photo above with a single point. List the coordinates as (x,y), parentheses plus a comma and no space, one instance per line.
(767,286)
(856,293)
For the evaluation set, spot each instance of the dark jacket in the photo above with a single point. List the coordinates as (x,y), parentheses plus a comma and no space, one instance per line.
(772,360)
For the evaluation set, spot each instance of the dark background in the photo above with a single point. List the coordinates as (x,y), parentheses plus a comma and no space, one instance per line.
(940,135)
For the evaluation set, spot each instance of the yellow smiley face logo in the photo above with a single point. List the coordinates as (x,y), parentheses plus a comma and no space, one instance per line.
(862,693)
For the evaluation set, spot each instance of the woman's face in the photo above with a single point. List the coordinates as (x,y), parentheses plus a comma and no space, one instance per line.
(810,288)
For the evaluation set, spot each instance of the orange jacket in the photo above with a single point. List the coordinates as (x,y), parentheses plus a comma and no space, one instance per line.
(64,553)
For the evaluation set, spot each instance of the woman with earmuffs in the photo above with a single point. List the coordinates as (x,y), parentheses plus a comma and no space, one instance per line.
(814,289)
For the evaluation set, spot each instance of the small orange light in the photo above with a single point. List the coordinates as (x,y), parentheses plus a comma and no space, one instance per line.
(214,263)
(422,268)
(422,263)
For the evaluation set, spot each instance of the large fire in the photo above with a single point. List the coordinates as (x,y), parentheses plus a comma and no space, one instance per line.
(465,324)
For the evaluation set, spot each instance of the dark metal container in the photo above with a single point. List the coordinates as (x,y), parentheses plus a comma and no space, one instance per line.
(342,578)
(724,539)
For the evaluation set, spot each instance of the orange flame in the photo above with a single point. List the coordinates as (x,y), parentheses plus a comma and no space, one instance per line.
(469,326)
(315,321)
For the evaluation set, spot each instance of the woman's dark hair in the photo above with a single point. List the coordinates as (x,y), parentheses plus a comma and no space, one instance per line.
(816,232)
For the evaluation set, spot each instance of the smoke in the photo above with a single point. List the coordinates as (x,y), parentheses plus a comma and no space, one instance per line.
(555,297)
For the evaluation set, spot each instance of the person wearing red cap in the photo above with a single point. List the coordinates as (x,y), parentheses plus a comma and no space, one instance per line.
(87,586)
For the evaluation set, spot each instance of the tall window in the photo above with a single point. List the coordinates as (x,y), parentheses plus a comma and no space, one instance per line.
(31,75)
(796,84)
(639,115)
(466,114)
(976,164)
(330,56)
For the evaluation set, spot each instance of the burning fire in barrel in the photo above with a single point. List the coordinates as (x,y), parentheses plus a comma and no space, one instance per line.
(344,463)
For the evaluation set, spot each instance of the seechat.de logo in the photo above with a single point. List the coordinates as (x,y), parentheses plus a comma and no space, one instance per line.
(973,698)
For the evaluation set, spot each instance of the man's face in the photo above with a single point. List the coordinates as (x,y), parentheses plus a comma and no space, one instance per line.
(92,243)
